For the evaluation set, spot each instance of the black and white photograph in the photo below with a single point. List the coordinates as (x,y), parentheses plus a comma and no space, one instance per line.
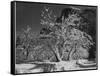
(51,37)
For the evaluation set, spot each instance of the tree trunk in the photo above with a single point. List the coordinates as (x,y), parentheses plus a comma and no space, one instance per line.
(71,52)
(55,50)
(57,53)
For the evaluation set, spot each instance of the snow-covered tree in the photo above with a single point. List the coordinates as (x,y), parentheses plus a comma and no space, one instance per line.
(69,38)
(62,45)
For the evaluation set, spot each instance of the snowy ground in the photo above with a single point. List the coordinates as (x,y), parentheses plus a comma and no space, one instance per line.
(60,66)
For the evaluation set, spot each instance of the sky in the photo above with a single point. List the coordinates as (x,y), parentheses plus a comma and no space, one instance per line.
(29,14)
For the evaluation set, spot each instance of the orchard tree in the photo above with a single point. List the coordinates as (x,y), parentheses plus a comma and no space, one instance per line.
(69,38)
(27,36)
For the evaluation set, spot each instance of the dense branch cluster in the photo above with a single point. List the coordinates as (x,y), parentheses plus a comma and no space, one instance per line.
(69,37)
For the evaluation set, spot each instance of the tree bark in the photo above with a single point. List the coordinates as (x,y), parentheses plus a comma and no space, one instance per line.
(71,52)
(57,53)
